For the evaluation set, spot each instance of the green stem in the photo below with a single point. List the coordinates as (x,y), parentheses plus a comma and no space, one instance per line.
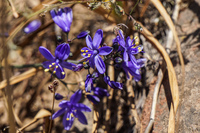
(134,7)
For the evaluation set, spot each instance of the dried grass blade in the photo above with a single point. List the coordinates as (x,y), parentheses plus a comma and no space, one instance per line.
(169,22)
(41,114)
(172,76)
(19,78)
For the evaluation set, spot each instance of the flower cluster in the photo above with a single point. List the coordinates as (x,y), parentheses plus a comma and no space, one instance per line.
(72,109)
(96,53)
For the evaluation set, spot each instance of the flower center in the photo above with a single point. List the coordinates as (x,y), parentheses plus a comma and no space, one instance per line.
(95,52)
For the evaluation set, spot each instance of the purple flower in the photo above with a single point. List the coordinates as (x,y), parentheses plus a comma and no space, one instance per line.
(93,51)
(72,109)
(61,53)
(100,92)
(130,68)
(83,34)
(78,67)
(129,49)
(32,26)
(63,18)
(97,90)
(89,81)
(113,84)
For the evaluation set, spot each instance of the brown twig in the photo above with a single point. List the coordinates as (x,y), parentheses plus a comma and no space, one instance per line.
(52,112)
(110,90)
(15,14)
(8,89)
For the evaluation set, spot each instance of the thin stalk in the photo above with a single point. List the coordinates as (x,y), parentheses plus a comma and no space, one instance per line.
(134,7)
(52,111)
(8,89)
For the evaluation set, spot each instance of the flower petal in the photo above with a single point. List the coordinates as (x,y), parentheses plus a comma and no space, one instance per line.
(62,51)
(93,99)
(99,64)
(125,56)
(68,123)
(128,41)
(141,62)
(82,107)
(97,39)
(121,34)
(125,68)
(46,53)
(105,50)
(65,104)
(76,96)
(67,65)
(133,62)
(59,72)
(91,61)
(101,92)
(66,17)
(58,113)
(82,34)
(116,85)
(81,117)
(89,42)
(56,18)
(88,83)
(47,63)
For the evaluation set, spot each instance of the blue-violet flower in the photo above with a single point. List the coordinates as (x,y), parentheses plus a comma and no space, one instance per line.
(61,53)
(63,18)
(129,49)
(83,34)
(130,68)
(72,109)
(32,26)
(113,84)
(93,51)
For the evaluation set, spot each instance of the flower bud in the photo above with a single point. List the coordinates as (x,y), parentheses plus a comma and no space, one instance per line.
(58,96)
(32,26)
(118,60)
(83,34)
(93,99)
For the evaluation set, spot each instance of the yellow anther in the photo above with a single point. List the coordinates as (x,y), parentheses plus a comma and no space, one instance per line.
(139,49)
(136,37)
(89,55)
(54,72)
(67,119)
(56,66)
(84,63)
(72,114)
(63,73)
(50,66)
(82,50)
(136,43)
(84,53)
(53,63)
(46,70)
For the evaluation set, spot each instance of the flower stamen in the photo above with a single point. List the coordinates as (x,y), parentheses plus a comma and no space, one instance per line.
(46,70)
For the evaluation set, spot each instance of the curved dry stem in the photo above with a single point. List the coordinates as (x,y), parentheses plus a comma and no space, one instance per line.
(172,76)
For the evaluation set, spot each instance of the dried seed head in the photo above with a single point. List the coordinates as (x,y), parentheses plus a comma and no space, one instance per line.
(55,83)
(51,88)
